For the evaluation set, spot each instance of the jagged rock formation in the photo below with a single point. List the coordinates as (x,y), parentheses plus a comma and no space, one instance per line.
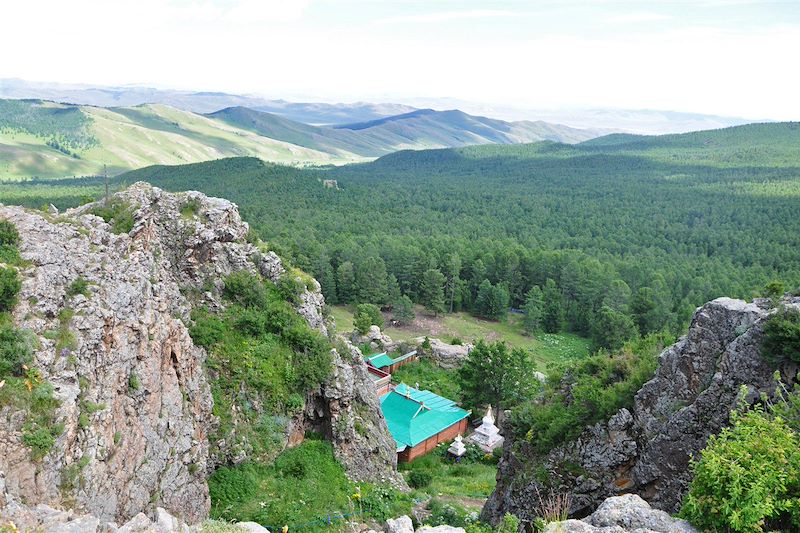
(374,338)
(623,514)
(347,412)
(16,516)
(133,392)
(647,451)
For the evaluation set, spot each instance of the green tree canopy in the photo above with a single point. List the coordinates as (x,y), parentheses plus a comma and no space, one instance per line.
(494,374)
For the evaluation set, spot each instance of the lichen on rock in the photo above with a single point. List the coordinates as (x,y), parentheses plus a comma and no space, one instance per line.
(133,393)
(646,450)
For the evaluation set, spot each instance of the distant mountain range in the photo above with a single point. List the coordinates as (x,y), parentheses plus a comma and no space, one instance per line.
(44,139)
(641,121)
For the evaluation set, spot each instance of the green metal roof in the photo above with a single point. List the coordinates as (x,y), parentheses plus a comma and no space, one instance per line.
(380,360)
(415,415)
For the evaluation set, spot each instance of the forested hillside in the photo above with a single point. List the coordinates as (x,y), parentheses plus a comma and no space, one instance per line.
(602,237)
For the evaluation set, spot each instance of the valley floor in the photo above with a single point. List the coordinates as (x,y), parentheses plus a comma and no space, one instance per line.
(545,347)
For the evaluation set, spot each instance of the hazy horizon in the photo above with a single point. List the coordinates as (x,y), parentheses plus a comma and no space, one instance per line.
(722,57)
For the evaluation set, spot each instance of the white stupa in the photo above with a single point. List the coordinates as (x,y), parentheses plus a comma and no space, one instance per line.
(457,448)
(487,436)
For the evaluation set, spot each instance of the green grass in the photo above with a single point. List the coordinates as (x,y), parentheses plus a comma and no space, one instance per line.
(460,481)
(46,140)
(544,347)
(431,377)
(302,488)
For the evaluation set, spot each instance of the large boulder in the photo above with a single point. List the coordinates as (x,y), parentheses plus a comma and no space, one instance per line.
(449,356)
(373,338)
(402,524)
(623,514)
(646,450)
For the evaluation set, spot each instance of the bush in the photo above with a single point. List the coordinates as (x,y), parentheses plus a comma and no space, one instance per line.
(245,288)
(10,284)
(9,239)
(118,214)
(9,236)
(585,392)
(420,478)
(747,478)
(79,286)
(15,350)
(782,336)
(367,315)
(264,358)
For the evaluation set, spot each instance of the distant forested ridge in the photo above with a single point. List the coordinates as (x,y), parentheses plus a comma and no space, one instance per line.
(616,233)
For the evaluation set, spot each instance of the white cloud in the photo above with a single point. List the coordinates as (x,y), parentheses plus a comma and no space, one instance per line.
(333,54)
(444,16)
(259,11)
(633,18)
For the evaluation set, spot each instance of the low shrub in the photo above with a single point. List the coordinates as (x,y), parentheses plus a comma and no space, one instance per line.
(78,286)
(419,478)
(304,488)
(747,478)
(782,336)
(117,214)
(585,392)
(10,284)
(261,352)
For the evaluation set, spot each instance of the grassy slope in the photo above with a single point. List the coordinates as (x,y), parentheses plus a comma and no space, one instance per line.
(126,138)
(544,347)
(415,130)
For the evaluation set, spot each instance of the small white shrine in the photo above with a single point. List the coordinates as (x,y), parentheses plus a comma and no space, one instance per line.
(487,436)
(457,449)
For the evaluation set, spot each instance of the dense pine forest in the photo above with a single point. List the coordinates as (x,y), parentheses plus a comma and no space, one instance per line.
(616,236)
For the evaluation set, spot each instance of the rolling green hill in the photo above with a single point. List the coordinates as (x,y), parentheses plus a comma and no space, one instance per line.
(46,140)
(419,129)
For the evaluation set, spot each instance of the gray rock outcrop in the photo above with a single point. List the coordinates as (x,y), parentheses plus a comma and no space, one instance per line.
(447,356)
(646,450)
(374,338)
(623,514)
(133,392)
(347,411)
(402,524)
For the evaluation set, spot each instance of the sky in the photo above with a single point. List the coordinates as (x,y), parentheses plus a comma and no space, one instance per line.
(728,57)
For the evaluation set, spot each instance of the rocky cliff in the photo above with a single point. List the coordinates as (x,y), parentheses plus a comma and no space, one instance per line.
(646,451)
(108,305)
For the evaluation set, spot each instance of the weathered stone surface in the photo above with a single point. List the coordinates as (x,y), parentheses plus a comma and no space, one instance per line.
(448,356)
(252,527)
(347,411)
(402,524)
(374,337)
(139,441)
(624,514)
(646,451)
(145,442)
(440,529)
